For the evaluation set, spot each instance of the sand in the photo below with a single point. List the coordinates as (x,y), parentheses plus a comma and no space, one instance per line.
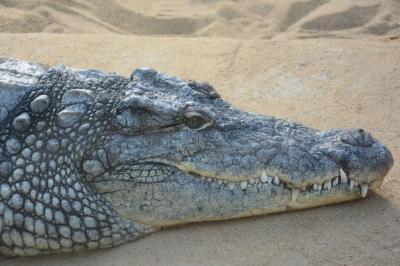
(324,63)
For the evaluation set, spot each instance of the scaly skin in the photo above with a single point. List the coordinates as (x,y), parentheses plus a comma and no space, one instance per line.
(91,160)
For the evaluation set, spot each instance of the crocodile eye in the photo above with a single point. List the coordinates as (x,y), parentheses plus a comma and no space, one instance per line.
(195,120)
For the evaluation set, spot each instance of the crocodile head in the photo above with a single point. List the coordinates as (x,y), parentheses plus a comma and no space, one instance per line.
(91,159)
(178,153)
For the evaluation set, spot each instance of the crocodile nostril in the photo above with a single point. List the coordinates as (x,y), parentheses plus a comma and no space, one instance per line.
(358,137)
(367,140)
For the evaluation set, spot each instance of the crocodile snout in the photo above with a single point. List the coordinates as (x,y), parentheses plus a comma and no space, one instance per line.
(358,137)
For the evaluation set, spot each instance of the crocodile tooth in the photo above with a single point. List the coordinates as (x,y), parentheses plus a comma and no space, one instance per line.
(335,181)
(219,181)
(295,193)
(243,185)
(328,185)
(270,179)
(252,181)
(319,187)
(364,190)
(351,183)
(263,177)
(343,176)
(315,186)
(355,183)
(231,186)
(209,179)
(276,181)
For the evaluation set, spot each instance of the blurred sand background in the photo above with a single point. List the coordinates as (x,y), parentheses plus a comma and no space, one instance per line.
(325,63)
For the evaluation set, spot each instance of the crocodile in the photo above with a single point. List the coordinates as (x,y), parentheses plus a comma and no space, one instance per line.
(92,160)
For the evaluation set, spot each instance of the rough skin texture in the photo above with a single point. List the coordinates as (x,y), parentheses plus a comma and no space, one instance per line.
(91,159)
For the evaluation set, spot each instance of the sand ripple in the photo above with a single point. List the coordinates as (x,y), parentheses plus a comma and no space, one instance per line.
(254,19)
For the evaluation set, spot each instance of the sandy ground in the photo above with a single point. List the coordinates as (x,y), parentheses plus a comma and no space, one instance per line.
(323,63)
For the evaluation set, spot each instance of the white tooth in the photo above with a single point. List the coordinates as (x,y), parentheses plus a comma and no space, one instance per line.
(295,193)
(351,183)
(243,185)
(343,176)
(335,181)
(209,179)
(328,185)
(231,186)
(317,187)
(364,190)
(252,181)
(219,181)
(276,181)
(263,177)
(355,183)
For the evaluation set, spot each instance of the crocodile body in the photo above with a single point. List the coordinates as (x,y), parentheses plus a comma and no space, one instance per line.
(92,160)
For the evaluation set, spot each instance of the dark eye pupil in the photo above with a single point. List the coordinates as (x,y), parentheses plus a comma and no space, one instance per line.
(194,122)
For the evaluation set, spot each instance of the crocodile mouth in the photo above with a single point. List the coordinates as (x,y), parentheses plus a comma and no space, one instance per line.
(337,184)
(341,187)
(162,195)
(338,188)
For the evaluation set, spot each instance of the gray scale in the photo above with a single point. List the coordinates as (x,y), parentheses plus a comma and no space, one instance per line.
(36,218)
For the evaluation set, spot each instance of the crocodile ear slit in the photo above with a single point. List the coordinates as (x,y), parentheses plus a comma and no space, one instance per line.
(134,101)
(144,103)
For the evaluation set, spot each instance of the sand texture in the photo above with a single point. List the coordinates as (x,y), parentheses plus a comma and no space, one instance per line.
(324,63)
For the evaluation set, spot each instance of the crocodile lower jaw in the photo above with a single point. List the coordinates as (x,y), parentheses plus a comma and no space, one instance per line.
(342,180)
(289,200)
(347,185)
